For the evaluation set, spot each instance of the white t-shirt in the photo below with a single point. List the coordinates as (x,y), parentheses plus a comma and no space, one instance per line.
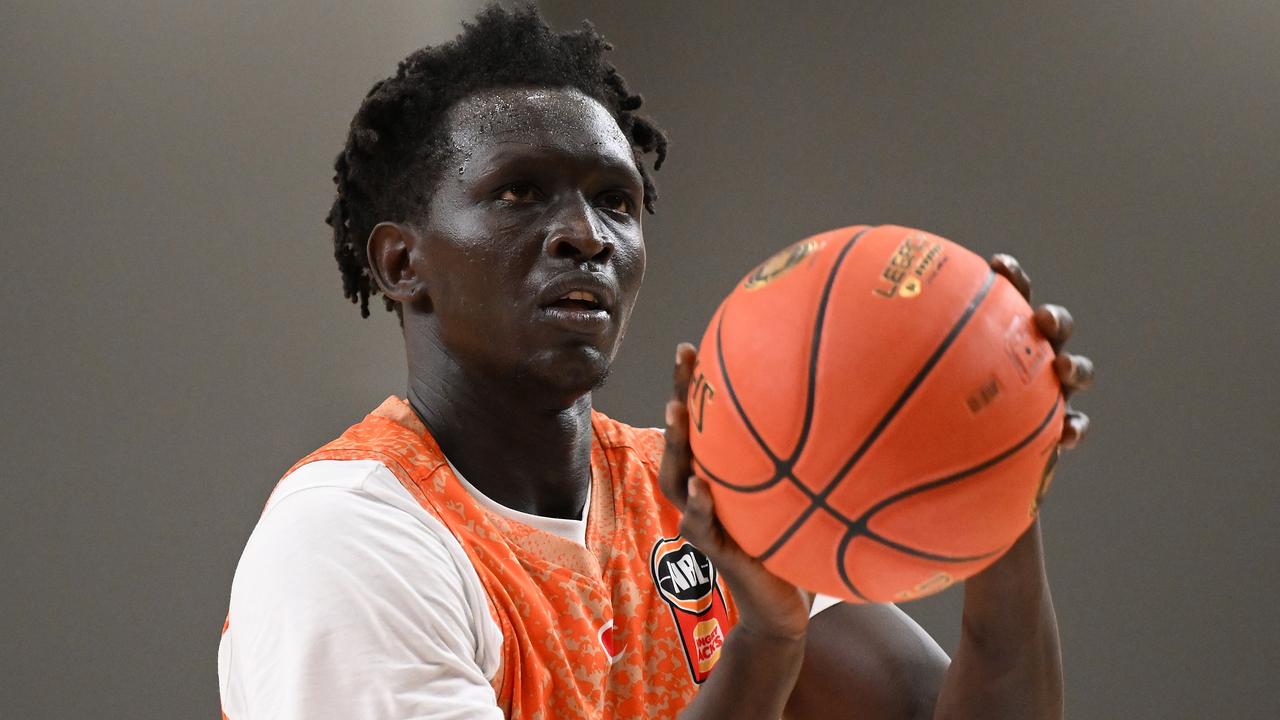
(351,601)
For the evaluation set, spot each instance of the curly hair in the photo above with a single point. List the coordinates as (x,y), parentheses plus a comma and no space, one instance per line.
(398,140)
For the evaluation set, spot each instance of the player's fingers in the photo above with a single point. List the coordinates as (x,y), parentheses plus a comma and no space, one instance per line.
(686,358)
(1075,372)
(698,522)
(1074,427)
(1055,323)
(674,469)
(675,466)
(1011,269)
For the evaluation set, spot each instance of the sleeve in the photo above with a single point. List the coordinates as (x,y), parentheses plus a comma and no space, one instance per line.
(346,607)
(822,602)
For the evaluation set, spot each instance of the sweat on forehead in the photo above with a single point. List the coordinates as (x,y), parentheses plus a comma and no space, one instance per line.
(518,114)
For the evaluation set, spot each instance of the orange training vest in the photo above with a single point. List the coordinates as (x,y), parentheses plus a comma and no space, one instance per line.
(627,627)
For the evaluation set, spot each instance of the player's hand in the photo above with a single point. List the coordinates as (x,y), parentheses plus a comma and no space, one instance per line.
(1075,372)
(767,604)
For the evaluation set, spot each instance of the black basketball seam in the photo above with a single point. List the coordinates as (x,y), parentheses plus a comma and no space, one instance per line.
(911,388)
(815,345)
(782,468)
(733,396)
(820,498)
(858,528)
(814,504)
(955,477)
(702,470)
(844,573)
(908,550)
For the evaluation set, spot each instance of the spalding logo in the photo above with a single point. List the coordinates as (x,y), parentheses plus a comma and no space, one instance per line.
(780,264)
(700,392)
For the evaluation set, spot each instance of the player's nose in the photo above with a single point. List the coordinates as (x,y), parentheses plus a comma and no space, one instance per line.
(576,233)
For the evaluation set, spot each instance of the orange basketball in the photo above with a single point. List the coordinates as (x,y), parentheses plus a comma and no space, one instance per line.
(876,413)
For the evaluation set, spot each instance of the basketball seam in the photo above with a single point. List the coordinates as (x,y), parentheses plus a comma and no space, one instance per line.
(876,537)
(819,499)
(955,477)
(858,528)
(814,346)
(782,468)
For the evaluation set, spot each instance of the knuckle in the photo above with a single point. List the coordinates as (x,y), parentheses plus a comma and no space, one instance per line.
(1063,315)
(1063,366)
(1081,376)
(1086,367)
(1046,319)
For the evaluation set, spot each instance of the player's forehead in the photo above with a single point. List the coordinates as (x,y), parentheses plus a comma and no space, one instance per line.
(537,120)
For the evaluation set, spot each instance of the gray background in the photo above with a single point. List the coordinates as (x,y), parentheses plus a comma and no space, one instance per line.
(174,335)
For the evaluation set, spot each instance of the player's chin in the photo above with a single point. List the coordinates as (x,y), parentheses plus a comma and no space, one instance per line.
(568,373)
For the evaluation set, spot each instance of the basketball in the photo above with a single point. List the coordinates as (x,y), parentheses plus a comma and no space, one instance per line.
(876,413)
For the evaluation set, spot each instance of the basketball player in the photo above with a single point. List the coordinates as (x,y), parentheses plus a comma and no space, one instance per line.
(492,547)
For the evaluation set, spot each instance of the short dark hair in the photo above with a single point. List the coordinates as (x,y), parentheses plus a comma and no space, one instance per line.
(397,142)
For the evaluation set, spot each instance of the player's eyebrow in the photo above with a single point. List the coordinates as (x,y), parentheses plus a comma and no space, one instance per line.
(512,154)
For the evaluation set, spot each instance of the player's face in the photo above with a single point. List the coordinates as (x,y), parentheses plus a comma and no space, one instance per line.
(533,251)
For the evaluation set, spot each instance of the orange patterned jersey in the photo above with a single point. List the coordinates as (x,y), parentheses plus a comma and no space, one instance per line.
(626,627)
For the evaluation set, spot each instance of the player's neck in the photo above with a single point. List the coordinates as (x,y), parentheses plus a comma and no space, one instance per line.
(513,449)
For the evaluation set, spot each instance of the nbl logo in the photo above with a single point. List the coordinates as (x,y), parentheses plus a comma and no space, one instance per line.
(686,580)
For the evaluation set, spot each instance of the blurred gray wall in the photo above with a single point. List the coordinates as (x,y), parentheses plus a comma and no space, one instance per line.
(175,337)
(174,330)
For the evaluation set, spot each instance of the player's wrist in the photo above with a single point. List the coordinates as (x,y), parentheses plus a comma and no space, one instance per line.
(1020,569)
(1008,607)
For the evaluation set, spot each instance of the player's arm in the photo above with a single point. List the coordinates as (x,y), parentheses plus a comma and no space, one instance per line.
(868,659)
(1008,663)
(875,659)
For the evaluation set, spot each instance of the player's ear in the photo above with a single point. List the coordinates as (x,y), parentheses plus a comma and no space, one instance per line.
(391,249)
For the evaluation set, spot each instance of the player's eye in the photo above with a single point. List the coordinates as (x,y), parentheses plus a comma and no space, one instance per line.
(518,193)
(617,201)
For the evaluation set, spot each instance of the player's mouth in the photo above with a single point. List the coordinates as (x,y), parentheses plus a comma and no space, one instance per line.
(579,302)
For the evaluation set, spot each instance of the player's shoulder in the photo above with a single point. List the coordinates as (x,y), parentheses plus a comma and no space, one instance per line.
(345,560)
(644,444)
(346,508)
(334,476)
(348,531)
